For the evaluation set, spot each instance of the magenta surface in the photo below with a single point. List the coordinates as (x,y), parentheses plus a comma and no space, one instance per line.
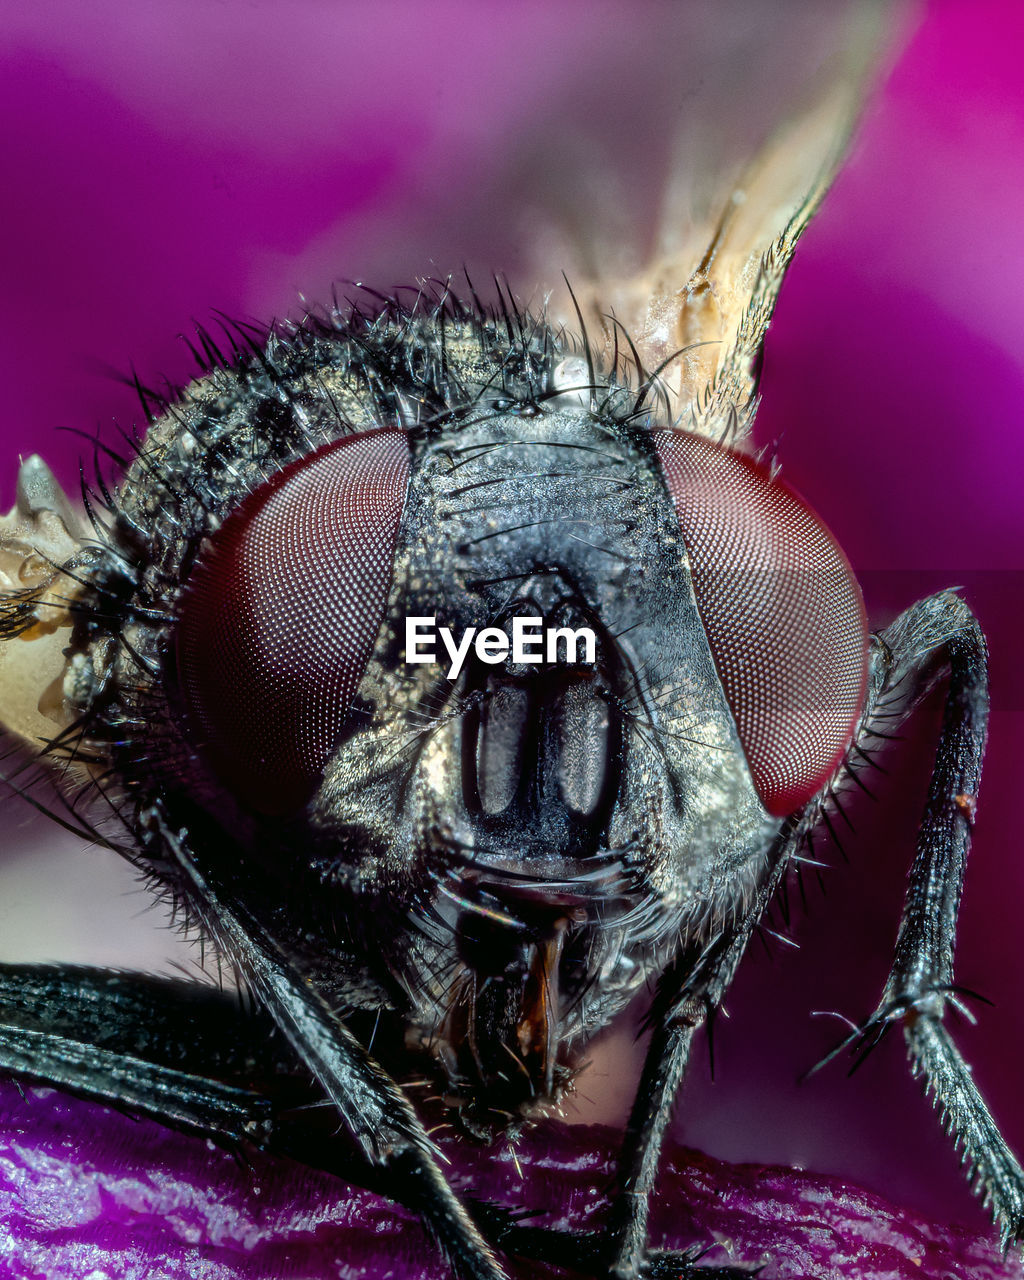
(86,1193)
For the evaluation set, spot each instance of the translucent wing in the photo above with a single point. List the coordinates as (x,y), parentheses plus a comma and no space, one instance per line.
(754,116)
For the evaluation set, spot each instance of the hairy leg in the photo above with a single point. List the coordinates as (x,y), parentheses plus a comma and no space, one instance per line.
(935,639)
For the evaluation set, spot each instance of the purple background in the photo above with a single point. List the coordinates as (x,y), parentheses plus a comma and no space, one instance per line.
(162,161)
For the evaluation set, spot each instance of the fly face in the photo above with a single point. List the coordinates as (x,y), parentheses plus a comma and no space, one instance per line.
(541,829)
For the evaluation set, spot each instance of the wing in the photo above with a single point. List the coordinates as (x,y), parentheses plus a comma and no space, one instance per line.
(678,267)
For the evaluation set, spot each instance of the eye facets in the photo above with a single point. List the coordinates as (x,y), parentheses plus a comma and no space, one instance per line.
(282,612)
(782,612)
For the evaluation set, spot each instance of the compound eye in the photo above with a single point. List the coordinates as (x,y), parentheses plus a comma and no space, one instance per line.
(281,614)
(782,612)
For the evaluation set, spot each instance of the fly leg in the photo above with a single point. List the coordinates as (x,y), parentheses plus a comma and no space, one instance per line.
(664,1066)
(372,1107)
(186,1054)
(935,638)
(197,1059)
(189,1056)
(585,1253)
(688,991)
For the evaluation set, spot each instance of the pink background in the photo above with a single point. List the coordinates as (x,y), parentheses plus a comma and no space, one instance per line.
(162,161)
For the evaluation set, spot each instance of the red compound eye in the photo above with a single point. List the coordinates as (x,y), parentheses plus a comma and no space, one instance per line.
(282,613)
(782,612)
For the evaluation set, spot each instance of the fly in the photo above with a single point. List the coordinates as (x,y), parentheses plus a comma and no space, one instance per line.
(474,867)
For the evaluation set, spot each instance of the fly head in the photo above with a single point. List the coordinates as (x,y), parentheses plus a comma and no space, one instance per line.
(429,651)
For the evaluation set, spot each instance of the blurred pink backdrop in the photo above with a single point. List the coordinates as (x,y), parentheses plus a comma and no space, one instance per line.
(163,161)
